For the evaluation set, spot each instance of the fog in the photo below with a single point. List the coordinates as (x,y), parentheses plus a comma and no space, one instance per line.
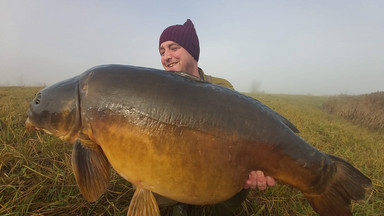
(291,47)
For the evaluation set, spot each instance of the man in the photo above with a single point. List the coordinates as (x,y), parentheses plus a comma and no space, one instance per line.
(179,49)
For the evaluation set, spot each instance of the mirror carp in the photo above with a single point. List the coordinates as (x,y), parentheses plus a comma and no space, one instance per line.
(185,139)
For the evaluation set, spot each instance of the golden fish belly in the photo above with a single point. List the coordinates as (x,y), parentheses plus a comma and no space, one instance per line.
(182,164)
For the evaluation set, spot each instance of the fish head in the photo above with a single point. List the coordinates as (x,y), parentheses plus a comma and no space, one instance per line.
(56,110)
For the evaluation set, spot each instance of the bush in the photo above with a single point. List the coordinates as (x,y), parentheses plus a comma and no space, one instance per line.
(367,109)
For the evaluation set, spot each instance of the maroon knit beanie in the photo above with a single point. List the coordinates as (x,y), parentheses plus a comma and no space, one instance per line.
(185,35)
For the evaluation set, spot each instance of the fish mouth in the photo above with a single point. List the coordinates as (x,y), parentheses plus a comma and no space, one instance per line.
(30,127)
(70,136)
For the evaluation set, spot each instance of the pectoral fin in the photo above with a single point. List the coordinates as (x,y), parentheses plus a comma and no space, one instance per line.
(143,203)
(91,169)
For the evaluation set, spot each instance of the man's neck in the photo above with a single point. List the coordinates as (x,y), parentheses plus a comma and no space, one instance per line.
(195,71)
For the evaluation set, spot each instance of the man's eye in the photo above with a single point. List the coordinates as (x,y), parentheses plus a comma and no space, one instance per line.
(174,47)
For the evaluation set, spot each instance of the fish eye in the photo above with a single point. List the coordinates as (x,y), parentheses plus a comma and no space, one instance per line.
(37,98)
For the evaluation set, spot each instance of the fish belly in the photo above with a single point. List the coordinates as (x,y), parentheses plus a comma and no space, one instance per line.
(182,164)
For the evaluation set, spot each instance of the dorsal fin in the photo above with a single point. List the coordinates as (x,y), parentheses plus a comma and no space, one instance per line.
(91,169)
(288,123)
(143,203)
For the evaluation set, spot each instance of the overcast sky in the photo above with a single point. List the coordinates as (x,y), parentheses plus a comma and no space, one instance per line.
(318,47)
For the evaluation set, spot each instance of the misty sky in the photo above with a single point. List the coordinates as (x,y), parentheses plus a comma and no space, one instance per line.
(318,47)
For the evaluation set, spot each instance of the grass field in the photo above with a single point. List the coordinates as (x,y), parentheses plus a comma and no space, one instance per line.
(367,109)
(36,176)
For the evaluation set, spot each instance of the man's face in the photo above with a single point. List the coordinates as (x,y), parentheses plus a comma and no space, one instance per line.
(175,58)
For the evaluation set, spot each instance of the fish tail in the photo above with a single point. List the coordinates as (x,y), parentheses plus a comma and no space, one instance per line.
(347,184)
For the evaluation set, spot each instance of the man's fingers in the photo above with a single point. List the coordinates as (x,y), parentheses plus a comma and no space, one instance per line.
(247,184)
(270,181)
(261,181)
(252,175)
(253,178)
(258,180)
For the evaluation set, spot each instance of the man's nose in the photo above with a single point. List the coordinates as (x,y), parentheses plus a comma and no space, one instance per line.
(167,56)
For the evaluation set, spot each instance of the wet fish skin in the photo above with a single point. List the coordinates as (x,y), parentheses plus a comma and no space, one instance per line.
(178,137)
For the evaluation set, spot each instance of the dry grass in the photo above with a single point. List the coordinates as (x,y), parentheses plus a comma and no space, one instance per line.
(36,176)
(367,110)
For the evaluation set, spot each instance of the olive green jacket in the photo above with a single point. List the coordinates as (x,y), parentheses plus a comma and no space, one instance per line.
(215,80)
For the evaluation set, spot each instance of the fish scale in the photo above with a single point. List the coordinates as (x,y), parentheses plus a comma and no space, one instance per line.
(185,139)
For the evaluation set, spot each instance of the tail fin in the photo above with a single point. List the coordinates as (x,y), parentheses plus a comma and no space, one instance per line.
(348,184)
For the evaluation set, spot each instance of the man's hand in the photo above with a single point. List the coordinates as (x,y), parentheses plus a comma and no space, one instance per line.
(257,179)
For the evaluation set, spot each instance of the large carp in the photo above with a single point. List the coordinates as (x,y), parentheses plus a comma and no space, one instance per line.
(185,139)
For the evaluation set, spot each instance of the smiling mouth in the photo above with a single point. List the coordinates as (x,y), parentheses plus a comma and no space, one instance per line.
(172,64)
